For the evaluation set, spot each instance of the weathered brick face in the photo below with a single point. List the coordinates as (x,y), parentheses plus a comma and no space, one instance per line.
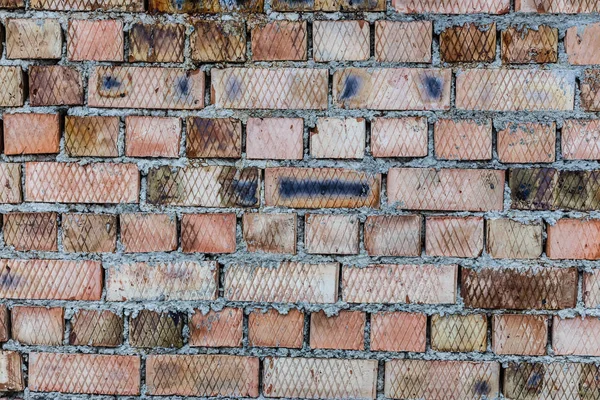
(312,199)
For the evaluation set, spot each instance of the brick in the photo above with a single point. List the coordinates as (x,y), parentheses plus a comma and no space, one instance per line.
(344,331)
(515,90)
(208,233)
(144,87)
(279,40)
(519,334)
(155,329)
(582,45)
(451,380)
(10,183)
(398,331)
(591,288)
(210,186)
(100,40)
(145,233)
(463,139)
(576,336)
(202,375)
(84,373)
(263,88)
(218,41)
(217,328)
(98,328)
(31,231)
(337,378)
(392,88)
(321,188)
(328,5)
(506,238)
(452,6)
(185,280)
(12,4)
(528,142)
(50,279)
(33,38)
(580,139)
(275,138)
(590,86)
(152,136)
(341,41)
(156,42)
(454,236)
(543,288)
(4,323)
(557,6)
(468,43)
(208,7)
(459,333)
(399,41)
(331,234)
(399,137)
(573,239)
(11,375)
(393,235)
(270,233)
(38,325)
(11,79)
(91,136)
(274,329)
(31,133)
(312,283)
(213,138)
(55,85)
(75,183)
(88,5)
(89,233)
(393,283)
(522,45)
(446,189)
(338,138)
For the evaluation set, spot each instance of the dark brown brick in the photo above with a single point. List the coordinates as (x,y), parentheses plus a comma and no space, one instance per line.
(156,329)
(590,90)
(156,42)
(525,45)
(205,6)
(51,85)
(214,138)
(214,41)
(4,324)
(468,43)
(328,5)
(96,328)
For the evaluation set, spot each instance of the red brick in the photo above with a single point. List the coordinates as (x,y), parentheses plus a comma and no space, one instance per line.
(270,233)
(88,5)
(392,88)
(91,136)
(11,79)
(463,139)
(11,375)
(208,233)
(574,239)
(452,6)
(152,136)
(399,137)
(214,41)
(393,235)
(576,336)
(202,375)
(398,331)
(582,44)
(38,325)
(145,233)
(400,41)
(4,323)
(506,238)
(275,138)
(214,138)
(468,43)
(446,189)
(89,233)
(156,42)
(527,143)
(75,183)
(33,38)
(454,236)
(84,373)
(557,6)
(31,231)
(279,40)
(338,138)
(341,41)
(50,279)
(100,40)
(522,45)
(331,234)
(344,331)
(55,85)
(580,139)
(274,329)
(520,334)
(31,134)
(459,333)
(10,183)
(217,328)
(98,328)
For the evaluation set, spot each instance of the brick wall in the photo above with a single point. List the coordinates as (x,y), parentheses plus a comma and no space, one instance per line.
(300,199)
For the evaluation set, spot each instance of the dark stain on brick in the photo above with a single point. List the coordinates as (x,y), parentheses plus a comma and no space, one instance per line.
(183,86)
(352,85)
(233,88)
(291,188)
(532,188)
(589,382)
(482,388)
(239,187)
(524,381)
(8,280)
(433,86)
(221,137)
(158,181)
(109,82)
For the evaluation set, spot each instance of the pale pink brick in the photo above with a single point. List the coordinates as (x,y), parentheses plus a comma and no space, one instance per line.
(527,143)
(274,329)
(152,136)
(399,137)
(31,133)
(38,325)
(454,236)
(331,234)
(520,334)
(452,6)
(574,239)
(341,41)
(398,331)
(345,331)
(10,183)
(208,233)
(393,235)
(11,374)
(582,44)
(275,138)
(33,38)
(338,138)
(576,336)
(557,6)
(463,139)
(580,139)
(270,233)
(399,41)
(100,40)
(144,233)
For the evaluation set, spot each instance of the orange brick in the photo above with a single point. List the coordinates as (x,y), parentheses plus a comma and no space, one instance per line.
(152,136)
(12,4)
(582,44)
(522,45)
(144,233)
(591,288)
(275,138)
(274,329)
(31,133)
(38,325)
(88,5)
(398,331)
(84,373)
(393,235)
(100,40)
(89,233)
(33,38)
(214,138)
(75,183)
(156,42)
(452,6)
(463,139)
(11,79)
(31,231)
(331,234)
(506,238)
(270,233)
(217,41)
(202,375)
(99,328)
(10,183)
(338,138)
(459,332)
(446,189)
(576,336)
(55,85)
(11,375)
(341,41)
(468,43)
(574,239)
(4,323)
(279,40)
(519,334)
(217,328)
(399,41)
(208,233)
(454,236)
(527,143)
(580,139)
(91,136)
(399,137)
(344,331)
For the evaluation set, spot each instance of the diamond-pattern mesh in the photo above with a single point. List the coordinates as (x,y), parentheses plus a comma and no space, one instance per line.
(525,45)
(468,43)
(270,233)
(280,40)
(398,331)
(38,325)
(591,288)
(341,40)
(453,6)
(26,133)
(506,238)
(454,236)
(217,328)
(4,323)
(399,41)
(399,137)
(218,41)
(275,138)
(274,329)
(528,142)
(331,234)
(144,233)
(213,138)
(11,4)
(459,332)
(12,376)
(205,6)
(338,138)
(95,40)
(31,231)
(590,90)
(559,6)
(463,139)
(10,183)
(208,233)
(156,42)
(99,328)
(329,5)
(155,329)
(55,85)
(33,38)
(576,336)
(88,5)
(580,139)
(91,136)
(520,334)
(12,93)
(344,331)
(393,235)
(89,233)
